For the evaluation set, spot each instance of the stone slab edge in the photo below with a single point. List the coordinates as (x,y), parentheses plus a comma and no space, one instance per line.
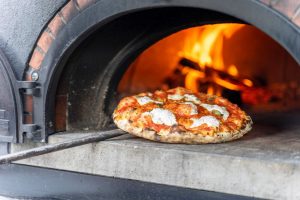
(220,173)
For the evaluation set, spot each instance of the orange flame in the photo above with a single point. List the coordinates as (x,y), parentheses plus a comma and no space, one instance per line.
(233,71)
(192,77)
(227,84)
(248,82)
(205,45)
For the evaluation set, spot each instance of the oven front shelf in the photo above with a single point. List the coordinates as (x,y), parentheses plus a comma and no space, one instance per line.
(265,163)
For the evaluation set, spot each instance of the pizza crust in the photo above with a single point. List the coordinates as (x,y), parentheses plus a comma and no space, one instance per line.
(185,137)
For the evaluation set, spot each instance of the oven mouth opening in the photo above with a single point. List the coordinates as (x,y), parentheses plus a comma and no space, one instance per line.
(233,60)
(222,56)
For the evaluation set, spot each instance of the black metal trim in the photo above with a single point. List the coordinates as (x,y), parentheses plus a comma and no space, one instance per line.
(19,88)
(28,87)
(20,181)
(18,105)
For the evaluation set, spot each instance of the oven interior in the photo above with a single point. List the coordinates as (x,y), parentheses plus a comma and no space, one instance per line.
(201,50)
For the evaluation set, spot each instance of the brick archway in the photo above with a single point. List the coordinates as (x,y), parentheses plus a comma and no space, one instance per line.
(62,17)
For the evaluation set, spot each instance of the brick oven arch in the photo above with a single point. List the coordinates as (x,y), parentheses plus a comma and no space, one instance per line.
(284,11)
(78,19)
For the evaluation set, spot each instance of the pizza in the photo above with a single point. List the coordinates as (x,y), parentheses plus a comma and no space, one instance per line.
(181,116)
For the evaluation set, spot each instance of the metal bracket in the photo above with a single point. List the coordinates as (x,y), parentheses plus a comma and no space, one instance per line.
(32,131)
(29,88)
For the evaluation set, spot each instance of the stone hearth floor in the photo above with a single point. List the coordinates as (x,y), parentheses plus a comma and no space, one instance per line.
(265,163)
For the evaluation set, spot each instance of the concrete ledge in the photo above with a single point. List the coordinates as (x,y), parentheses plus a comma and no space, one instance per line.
(262,164)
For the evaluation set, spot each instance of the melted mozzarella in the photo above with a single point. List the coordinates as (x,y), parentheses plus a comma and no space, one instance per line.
(175,97)
(144,100)
(209,120)
(122,123)
(162,116)
(194,109)
(221,109)
(192,98)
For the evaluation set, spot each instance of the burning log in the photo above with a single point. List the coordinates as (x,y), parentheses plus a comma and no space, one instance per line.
(210,75)
(208,80)
(189,63)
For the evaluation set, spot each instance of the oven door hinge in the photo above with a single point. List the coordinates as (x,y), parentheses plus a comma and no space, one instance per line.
(32,130)
(29,88)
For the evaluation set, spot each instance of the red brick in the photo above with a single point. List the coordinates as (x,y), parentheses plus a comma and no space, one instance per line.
(267,2)
(28,119)
(36,59)
(60,112)
(286,7)
(28,75)
(69,11)
(28,107)
(55,25)
(45,41)
(83,4)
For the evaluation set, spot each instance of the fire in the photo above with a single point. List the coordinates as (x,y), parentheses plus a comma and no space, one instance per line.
(227,84)
(233,71)
(205,44)
(205,47)
(233,60)
(248,82)
(192,78)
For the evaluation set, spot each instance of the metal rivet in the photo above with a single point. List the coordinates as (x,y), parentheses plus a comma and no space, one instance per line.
(34,76)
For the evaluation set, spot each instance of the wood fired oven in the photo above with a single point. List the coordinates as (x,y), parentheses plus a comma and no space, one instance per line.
(71,80)
(86,54)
